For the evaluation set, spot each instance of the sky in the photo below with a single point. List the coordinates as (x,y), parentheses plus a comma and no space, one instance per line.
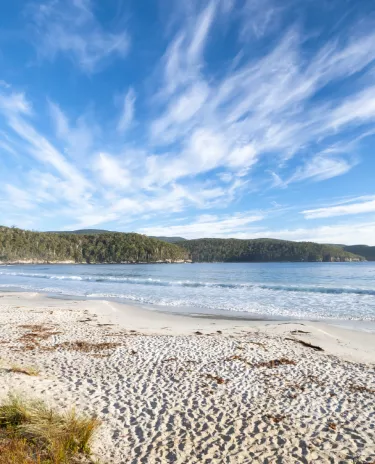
(221,118)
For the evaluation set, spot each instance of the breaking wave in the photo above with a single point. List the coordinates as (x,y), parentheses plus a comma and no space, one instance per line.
(198,284)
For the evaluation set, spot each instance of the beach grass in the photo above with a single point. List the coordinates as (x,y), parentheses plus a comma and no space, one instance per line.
(32,432)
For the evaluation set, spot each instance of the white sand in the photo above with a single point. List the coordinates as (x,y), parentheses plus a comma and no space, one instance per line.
(166,394)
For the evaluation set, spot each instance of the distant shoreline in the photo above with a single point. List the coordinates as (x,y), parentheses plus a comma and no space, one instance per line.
(20,263)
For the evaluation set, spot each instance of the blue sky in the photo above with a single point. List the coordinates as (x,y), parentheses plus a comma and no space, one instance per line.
(223,118)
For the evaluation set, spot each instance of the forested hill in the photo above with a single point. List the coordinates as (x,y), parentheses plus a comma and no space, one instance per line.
(170,239)
(82,232)
(116,247)
(101,231)
(257,250)
(363,250)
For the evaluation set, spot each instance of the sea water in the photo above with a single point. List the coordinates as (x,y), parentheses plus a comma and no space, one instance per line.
(339,291)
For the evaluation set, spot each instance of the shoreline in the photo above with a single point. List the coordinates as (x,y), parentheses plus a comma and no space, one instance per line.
(70,263)
(346,341)
(357,325)
(187,261)
(173,388)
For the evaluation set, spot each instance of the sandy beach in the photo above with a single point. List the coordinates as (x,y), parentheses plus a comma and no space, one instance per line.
(180,389)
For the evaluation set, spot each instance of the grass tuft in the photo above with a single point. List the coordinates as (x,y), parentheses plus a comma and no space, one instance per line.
(32,432)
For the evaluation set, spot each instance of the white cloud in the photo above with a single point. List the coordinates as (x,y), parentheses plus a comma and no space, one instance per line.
(127,113)
(183,60)
(15,103)
(322,167)
(259,17)
(69,27)
(207,226)
(356,207)
(111,172)
(78,139)
(259,107)
(66,183)
(206,132)
(176,120)
(199,36)
(357,109)
(240,226)
(4,84)
(344,233)
(242,156)
(19,198)
(44,151)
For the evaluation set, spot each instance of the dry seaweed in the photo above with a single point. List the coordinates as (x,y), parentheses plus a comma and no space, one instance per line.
(238,358)
(276,363)
(361,389)
(38,332)
(35,327)
(276,419)
(36,336)
(294,332)
(217,379)
(308,345)
(87,347)
(258,344)
(316,380)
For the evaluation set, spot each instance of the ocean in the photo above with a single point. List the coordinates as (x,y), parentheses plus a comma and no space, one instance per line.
(314,291)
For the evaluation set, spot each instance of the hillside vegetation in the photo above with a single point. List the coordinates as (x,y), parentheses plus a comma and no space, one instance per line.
(170,239)
(233,250)
(366,251)
(115,247)
(83,232)
(102,231)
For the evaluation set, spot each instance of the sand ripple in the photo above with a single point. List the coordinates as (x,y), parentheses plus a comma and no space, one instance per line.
(198,398)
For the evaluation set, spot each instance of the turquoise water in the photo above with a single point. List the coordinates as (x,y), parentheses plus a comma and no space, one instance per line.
(341,291)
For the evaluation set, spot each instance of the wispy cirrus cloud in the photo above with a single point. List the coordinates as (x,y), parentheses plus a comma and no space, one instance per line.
(69,27)
(213,119)
(261,106)
(78,139)
(64,180)
(209,226)
(128,110)
(355,206)
(320,167)
(346,233)
(242,226)
(111,172)
(259,18)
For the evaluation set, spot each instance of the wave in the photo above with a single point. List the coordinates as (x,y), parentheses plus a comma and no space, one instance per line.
(192,284)
(300,309)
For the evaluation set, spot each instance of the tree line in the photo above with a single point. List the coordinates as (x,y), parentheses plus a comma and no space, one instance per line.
(113,247)
(367,252)
(258,250)
(117,247)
